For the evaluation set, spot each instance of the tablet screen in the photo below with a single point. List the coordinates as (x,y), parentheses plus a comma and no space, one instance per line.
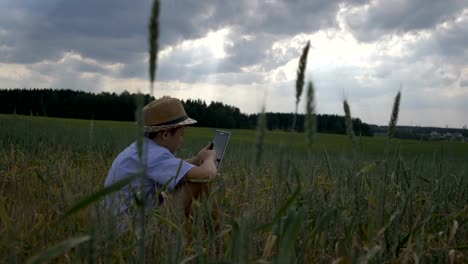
(220,141)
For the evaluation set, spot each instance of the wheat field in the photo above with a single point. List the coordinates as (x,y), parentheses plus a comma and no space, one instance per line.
(285,197)
(403,202)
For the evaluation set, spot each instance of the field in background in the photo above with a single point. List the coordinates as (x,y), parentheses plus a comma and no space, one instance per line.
(378,202)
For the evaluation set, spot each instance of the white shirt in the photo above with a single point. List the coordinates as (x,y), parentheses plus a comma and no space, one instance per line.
(161,168)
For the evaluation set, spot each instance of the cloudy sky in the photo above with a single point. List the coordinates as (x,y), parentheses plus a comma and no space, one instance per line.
(245,53)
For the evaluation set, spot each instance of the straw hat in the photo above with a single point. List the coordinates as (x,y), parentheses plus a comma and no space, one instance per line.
(165,113)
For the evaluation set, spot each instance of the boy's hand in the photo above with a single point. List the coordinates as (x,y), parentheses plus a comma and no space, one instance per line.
(206,154)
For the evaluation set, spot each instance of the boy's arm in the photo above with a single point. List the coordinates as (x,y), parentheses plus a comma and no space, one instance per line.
(206,170)
(195,161)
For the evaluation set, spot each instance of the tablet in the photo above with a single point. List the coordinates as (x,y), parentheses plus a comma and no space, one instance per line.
(220,141)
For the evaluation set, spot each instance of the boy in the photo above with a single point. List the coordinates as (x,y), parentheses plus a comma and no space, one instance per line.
(165,121)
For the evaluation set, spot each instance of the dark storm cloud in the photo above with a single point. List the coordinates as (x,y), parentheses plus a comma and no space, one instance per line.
(111,31)
(453,41)
(115,31)
(282,17)
(395,17)
(32,32)
(247,51)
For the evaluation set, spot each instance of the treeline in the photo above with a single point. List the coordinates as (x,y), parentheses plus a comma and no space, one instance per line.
(121,107)
(69,104)
(333,124)
(224,116)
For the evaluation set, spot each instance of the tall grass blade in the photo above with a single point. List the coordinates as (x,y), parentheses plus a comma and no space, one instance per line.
(287,240)
(57,250)
(289,203)
(300,79)
(142,150)
(98,195)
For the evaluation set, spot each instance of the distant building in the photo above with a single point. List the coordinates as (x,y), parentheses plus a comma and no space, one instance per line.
(446,136)
(435,136)
(458,137)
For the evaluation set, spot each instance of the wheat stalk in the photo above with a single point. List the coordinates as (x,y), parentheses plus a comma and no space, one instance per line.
(349,123)
(261,130)
(300,78)
(153,42)
(394,116)
(310,124)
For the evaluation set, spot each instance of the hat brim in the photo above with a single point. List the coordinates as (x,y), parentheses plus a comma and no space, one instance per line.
(186,122)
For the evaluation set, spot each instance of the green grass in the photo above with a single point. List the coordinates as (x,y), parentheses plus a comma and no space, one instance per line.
(380,203)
